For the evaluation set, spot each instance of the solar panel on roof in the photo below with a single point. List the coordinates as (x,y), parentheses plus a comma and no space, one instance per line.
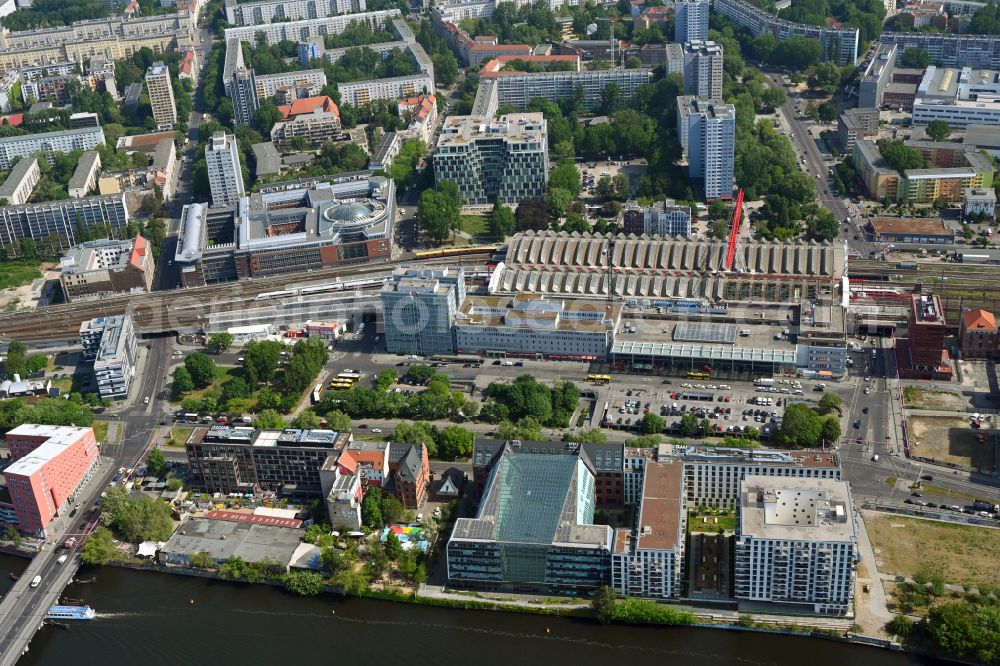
(705,332)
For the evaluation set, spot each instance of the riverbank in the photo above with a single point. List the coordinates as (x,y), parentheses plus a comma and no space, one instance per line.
(433,596)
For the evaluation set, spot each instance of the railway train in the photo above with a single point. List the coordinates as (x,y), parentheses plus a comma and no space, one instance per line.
(349,285)
(456,251)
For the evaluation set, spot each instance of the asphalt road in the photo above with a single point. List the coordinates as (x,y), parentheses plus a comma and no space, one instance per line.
(24,605)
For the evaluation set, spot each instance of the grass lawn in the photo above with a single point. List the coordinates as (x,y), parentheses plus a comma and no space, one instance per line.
(711,522)
(960,553)
(222,375)
(178,436)
(100,430)
(64,384)
(18,273)
(478,227)
(941,400)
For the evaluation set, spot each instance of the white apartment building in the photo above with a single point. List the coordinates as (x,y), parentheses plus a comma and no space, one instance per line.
(648,561)
(662,218)
(304,30)
(21,181)
(503,160)
(110,343)
(224,175)
(362,92)
(311,80)
(84,178)
(517,90)
(712,475)
(528,325)
(707,133)
(702,69)
(691,20)
(795,543)
(268,11)
(161,95)
(63,141)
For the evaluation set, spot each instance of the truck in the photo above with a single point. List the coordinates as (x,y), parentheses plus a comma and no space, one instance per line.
(764,381)
(980,505)
(69,543)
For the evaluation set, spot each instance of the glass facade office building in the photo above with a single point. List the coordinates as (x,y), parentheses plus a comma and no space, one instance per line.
(533,532)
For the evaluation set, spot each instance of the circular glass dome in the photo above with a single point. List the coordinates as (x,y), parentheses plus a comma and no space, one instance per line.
(350,212)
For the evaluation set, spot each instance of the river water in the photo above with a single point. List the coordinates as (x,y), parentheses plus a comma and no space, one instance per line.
(174,620)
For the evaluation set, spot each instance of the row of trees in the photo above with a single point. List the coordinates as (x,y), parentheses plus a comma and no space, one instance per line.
(49,411)
(527,397)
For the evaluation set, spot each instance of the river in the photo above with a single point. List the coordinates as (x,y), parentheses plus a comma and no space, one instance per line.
(171,620)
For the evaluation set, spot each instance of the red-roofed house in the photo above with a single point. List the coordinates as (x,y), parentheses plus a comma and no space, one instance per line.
(424,115)
(314,119)
(188,67)
(476,51)
(977,334)
(12,119)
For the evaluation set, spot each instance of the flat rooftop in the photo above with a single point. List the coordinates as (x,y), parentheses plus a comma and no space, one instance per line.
(718,455)
(793,509)
(513,127)
(662,507)
(927,226)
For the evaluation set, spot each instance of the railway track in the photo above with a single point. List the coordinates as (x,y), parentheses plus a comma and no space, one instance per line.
(166,311)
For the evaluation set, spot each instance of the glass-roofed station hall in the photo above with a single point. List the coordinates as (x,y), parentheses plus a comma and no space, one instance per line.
(534,530)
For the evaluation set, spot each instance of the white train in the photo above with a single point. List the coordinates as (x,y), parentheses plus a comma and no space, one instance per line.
(350,285)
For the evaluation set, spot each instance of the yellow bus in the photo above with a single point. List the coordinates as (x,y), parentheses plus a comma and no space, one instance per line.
(341,385)
(349,376)
(599,378)
(698,375)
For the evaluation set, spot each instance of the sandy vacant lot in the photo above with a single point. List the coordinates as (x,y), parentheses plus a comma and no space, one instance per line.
(961,553)
(950,439)
(942,400)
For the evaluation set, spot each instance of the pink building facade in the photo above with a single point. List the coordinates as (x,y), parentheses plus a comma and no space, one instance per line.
(51,462)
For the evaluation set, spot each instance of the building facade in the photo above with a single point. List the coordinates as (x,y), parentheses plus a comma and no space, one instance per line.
(977,334)
(21,181)
(662,218)
(854,124)
(268,11)
(363,92)
(690,20)
(796,544)
(533,531)
(62,141)
(518,89)
(161,95)
(225,177)
(878,74)
(109,343)
(925,353)
(106,267)
(708,135)
(703,68)
(419,306)
(499,160)
(50,464)
(980,201)
(648,561)
(62,218)
(84,178)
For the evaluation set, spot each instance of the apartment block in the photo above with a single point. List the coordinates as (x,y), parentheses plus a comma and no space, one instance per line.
(839,44)
(877,76)
(419,306)
(980,201)
(423,117)
(225,177)
(309,28)
(533,326)
(20,182)
(499,160)
(854,124)
(102,267)
(161,95)
(949,50)
(363,92)
(84,179)
(62,141)
(796,541)
(260,13)
(647,561)
(109,343)
(700,63)
(315,120)
(957,167)
(712,475)
(690,20)
(50,464)
(39,220)
(708,136)
(516,90)
(662,218)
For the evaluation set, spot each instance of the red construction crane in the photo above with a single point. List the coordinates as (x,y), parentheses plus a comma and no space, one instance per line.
(734,232)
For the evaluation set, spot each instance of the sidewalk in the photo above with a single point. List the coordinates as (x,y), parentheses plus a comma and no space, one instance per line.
(876,613)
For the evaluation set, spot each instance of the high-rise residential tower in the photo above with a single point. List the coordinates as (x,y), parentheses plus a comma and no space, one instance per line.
(691,20)
(161,95)
(224,175)
(707,132)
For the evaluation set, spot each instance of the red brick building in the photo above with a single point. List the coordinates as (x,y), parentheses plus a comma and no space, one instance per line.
(410,474)
(50,464)
(924,355)
(977,334)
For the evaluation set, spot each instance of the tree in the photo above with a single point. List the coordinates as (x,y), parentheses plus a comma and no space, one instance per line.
(13,535)
(829,402)
(938,130)
(915,58)
(502,222)
(603,604)
(652,424)
(532,215)
(801,426)
(304,583)
(182,382)
(201,560)
(438,214)
(260,360)
(773,97)
(307,420)
(220,342)
(901,157)
(966,631)
(99,548)
(901,626)
(830,432)
(16,358)
(565,176)
(455,442)
(393,548)
(822,226)
(156,462)
(689,425)
(202,369)
(392,509)
(419,373)
(234,389)
(823,77)
(371,509)
(269,419)
(338,421)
